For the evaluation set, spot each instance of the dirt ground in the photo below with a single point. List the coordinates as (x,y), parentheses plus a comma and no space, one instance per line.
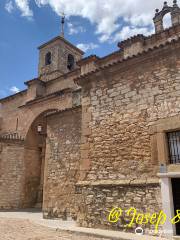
(20,229)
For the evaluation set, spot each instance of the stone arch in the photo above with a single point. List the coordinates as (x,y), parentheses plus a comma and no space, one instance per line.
(159,16)
(35,112)
(167,21)
(34,160)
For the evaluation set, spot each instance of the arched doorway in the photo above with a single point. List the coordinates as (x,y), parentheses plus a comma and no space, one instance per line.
(35,148)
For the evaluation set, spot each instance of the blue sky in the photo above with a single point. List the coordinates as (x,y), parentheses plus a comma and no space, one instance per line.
(94,26)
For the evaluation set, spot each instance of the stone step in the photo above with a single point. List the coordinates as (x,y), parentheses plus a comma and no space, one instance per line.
(176,238)
(113,235)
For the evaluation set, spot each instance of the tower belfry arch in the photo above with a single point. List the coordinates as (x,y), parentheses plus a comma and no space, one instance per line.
(159,15)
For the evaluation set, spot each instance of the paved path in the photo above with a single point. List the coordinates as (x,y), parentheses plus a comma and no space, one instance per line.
(29,225)
(20,229)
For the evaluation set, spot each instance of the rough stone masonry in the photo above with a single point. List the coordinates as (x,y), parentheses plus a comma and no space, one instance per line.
(89,134)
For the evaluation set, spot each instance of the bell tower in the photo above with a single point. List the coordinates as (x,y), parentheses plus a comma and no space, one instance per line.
(57,57)
(159,15)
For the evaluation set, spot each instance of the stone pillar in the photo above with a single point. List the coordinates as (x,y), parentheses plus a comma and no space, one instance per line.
(158,23)
(175,14)
(167,204)
(85,145)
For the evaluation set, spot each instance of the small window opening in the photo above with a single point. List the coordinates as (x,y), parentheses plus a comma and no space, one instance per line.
(70,63)
(48,59)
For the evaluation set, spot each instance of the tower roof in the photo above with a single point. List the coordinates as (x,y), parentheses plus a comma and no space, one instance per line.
(59,38)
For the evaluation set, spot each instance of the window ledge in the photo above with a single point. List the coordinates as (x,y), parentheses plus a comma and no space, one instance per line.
(169,175)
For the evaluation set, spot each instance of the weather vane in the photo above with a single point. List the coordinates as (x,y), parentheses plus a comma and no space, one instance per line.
(62,23)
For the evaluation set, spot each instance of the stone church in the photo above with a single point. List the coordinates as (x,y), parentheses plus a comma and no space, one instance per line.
(89,134)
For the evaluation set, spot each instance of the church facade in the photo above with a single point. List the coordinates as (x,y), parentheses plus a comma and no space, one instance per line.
(90,134)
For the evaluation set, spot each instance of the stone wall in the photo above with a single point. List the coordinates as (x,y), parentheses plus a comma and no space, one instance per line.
(96,201)
(18,116)
(138,44)
(11,174)
(26,114)
(63,82)
(119,106)
(62,163)
(32,175)
(11,114)
(118,109)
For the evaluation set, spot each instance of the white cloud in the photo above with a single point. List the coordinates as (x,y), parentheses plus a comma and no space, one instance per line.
(9,6)
(23,6)
(128,31)
(14,89)
(139,19)
(86,47)
(105,14)
(104,38)
(75,29)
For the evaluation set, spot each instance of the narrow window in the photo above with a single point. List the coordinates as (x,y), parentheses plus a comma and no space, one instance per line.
(17,123)
(174,147)
(48,58)
(70,62)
